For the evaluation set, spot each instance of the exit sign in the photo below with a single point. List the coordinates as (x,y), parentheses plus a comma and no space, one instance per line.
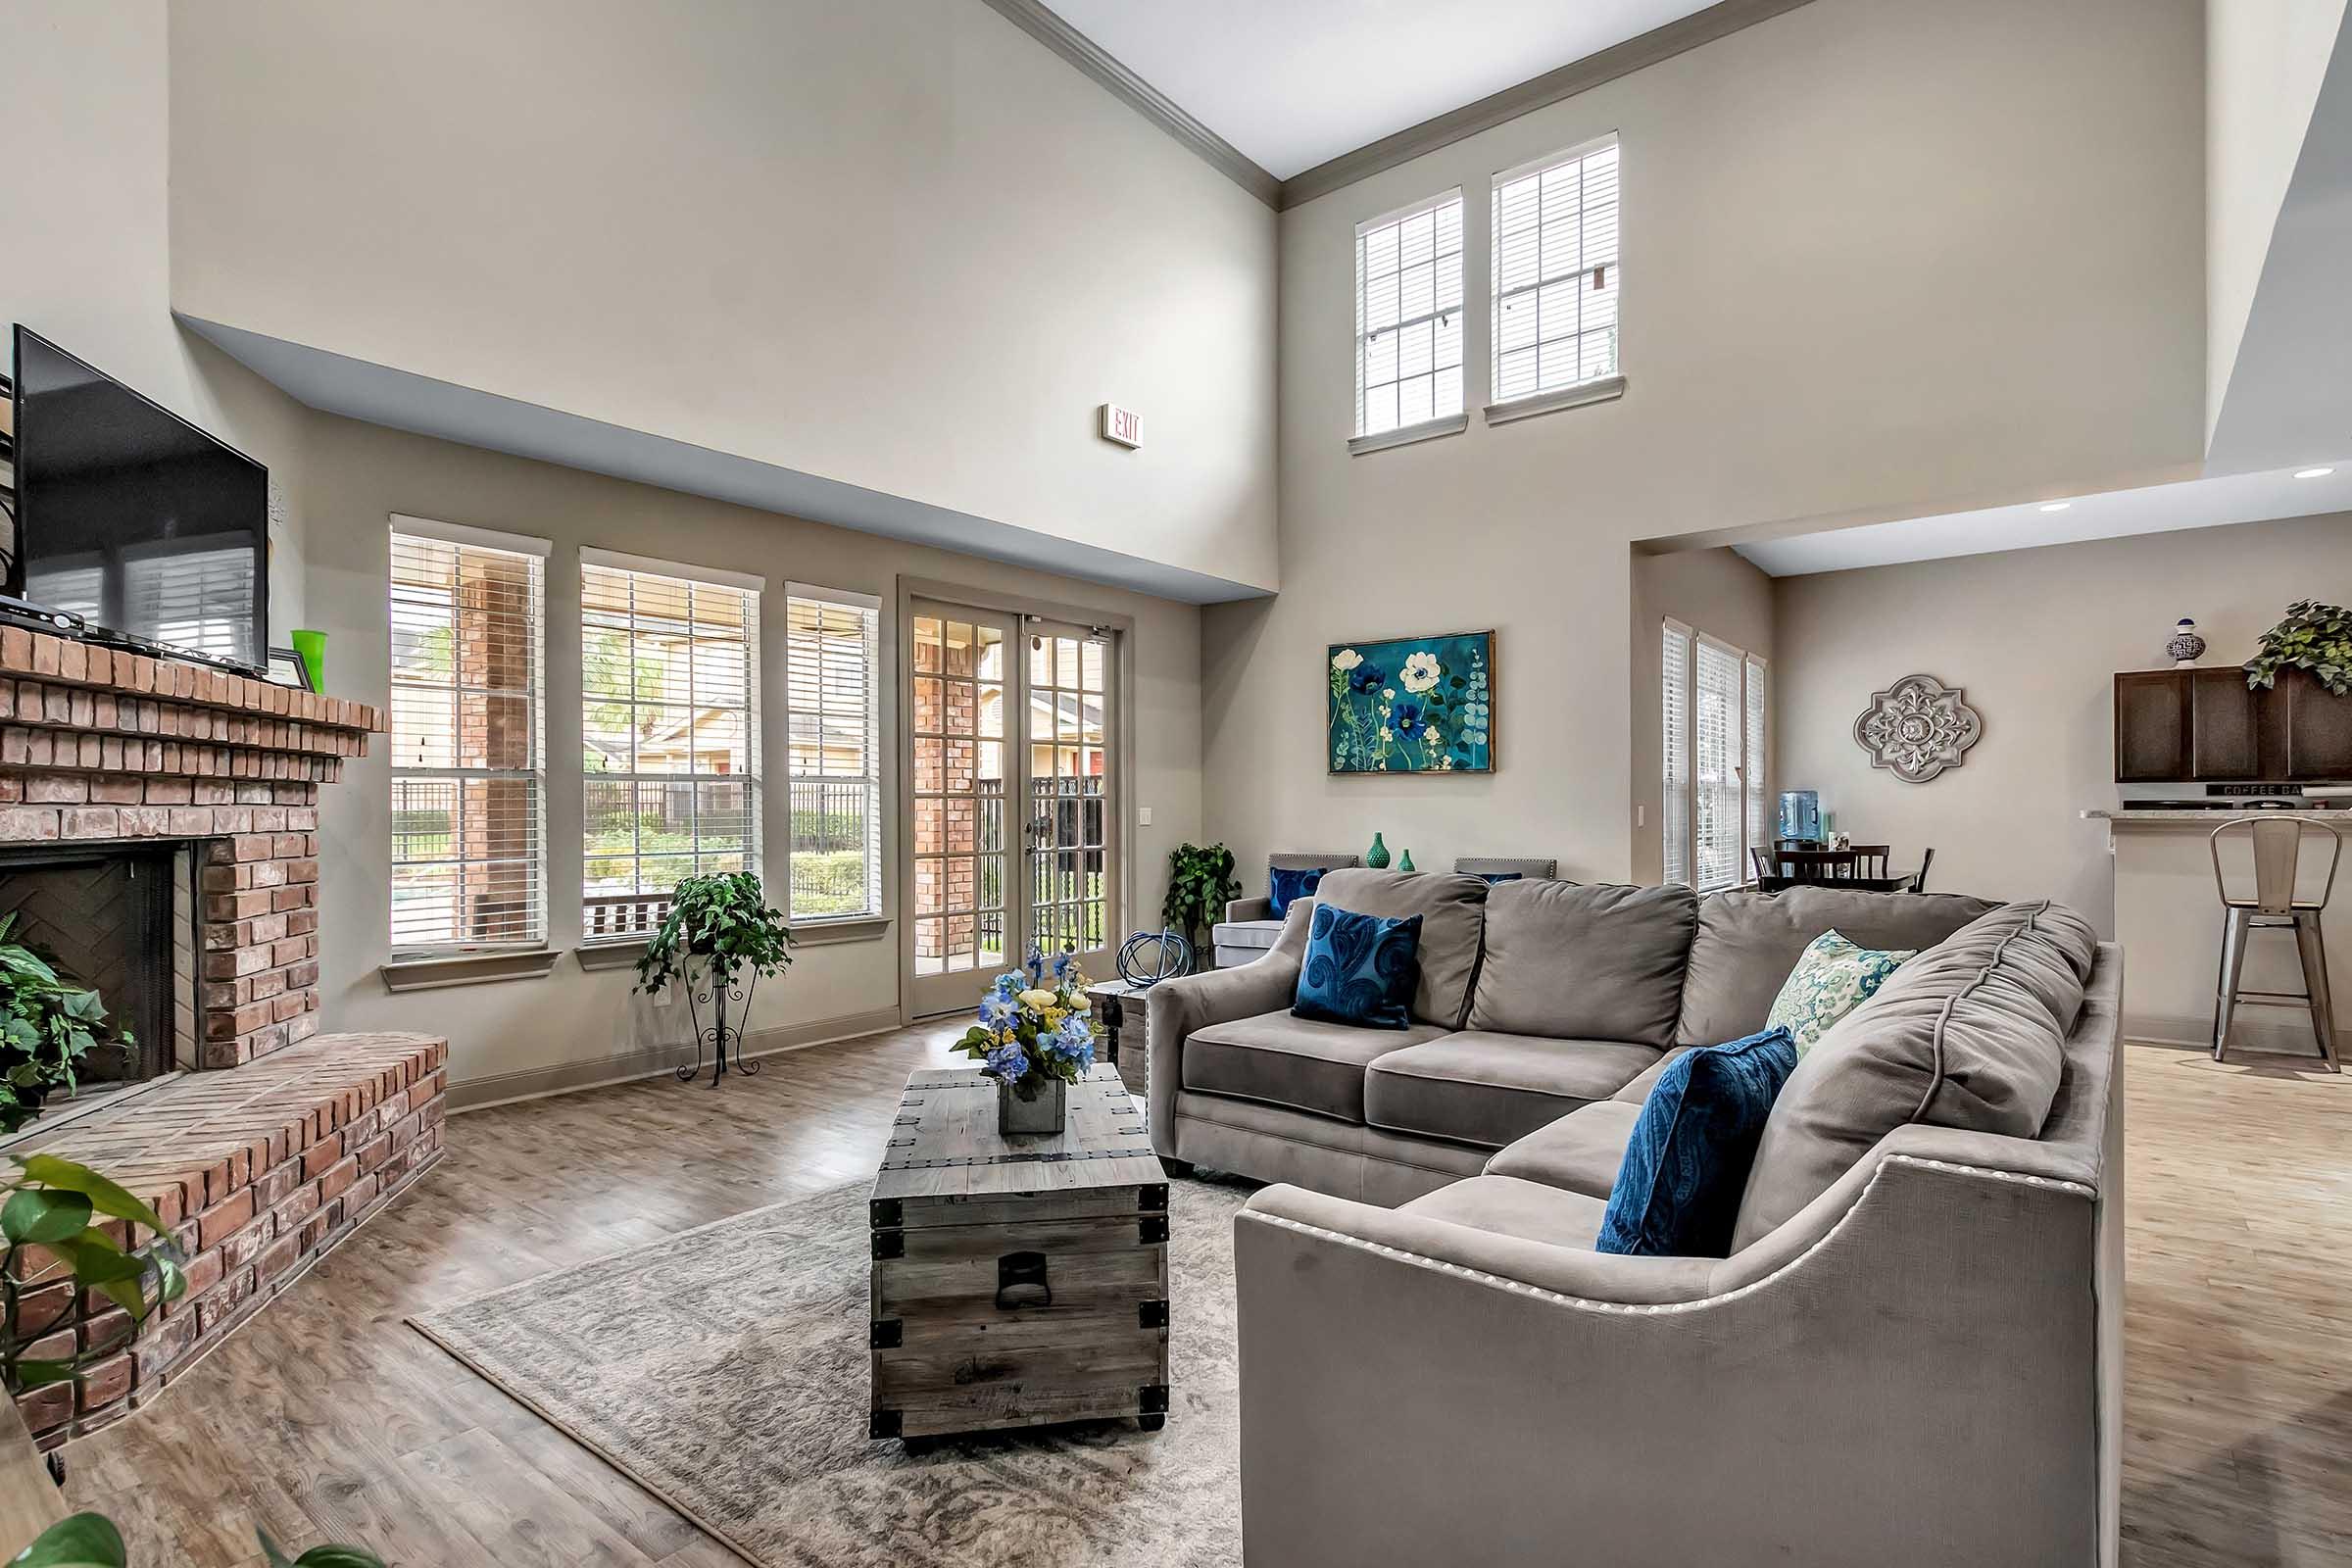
(1123,425)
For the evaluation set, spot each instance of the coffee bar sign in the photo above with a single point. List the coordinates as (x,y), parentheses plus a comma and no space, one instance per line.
(1124,426)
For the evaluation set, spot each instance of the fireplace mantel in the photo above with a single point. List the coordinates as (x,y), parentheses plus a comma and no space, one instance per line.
(98,746)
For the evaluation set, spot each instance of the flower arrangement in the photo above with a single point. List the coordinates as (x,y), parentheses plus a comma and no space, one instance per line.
(1032,1035)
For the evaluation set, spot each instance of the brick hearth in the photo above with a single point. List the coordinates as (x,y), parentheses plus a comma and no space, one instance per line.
(260,1170)
(258,1173)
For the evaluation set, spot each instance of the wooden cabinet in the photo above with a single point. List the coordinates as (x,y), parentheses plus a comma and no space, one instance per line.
(2152,726)
(2316,726)
(2205,727)
(2224,726)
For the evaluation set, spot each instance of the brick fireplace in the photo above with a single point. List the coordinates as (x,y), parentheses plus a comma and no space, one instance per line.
(263,1142)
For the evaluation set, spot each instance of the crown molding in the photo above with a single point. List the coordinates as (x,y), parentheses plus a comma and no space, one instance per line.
(1048,29)
(1718,21)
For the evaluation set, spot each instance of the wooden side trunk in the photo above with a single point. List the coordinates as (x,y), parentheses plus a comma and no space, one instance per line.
(1020,1309)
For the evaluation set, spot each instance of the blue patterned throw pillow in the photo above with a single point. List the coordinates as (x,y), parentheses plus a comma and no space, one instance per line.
(1833,977)
(1360,969)
(1677,1193)
(1283,886)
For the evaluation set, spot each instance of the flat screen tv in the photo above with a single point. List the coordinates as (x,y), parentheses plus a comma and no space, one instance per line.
(132,517)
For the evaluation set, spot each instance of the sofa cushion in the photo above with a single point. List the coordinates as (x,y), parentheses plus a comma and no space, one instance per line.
(1292,1061)
(1452,910)
(1507,1206)
(1489,1089)
(1287,884)
(1636,1092)
(1581,1151)
(1677,1193)
(1582,962)
(1360,969)
(1749,942)
(1969,1035)
(1260,934)
(1833,977)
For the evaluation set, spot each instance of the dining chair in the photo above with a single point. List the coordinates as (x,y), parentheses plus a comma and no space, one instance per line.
(1868,860)
(1761,858)
(1919,878)
(2278,844)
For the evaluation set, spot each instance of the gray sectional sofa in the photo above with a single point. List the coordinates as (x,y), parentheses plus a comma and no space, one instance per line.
(1911,1356)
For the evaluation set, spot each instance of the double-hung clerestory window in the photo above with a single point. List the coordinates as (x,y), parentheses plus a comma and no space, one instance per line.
(1556,275)
(1408,317)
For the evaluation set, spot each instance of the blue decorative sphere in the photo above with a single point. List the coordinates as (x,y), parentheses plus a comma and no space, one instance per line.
(1150,956)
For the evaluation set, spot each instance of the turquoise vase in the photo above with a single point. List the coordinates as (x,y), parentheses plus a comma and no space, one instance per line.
(1376,857)
(1406,864)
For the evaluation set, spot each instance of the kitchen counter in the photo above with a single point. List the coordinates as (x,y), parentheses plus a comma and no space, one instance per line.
(2190,816)
(2168,917)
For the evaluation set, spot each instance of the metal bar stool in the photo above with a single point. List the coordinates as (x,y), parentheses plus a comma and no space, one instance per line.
(2278,857)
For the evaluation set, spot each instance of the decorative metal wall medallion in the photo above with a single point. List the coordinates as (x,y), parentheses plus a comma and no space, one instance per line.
(1918,727)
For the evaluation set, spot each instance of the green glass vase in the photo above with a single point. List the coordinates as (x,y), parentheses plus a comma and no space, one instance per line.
(1406,864)
(1376,857)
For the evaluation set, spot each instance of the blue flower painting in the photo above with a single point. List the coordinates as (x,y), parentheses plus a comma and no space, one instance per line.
(1412,704)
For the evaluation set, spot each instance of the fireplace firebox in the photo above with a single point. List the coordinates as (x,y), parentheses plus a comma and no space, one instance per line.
(120,919)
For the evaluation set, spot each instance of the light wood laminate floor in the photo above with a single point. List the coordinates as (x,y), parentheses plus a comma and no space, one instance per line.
(328,1418)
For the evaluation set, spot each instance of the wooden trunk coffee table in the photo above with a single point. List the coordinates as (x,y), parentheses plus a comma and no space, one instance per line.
(1017,1281)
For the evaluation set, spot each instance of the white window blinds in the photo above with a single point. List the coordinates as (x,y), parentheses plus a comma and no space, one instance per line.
(669,731)
(1716,809)
(1555,272)
(1715,805)
(832,721)
(1752,780)
(1408,315)
(1675,818)
(468,772)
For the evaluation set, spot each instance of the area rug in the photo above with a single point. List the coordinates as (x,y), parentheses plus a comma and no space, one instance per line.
(725,1369)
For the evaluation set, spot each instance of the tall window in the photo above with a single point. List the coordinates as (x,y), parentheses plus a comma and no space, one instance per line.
(1555,272)
(1716,807)
(669,731)
(468,763)
(1408,316)
(833,723)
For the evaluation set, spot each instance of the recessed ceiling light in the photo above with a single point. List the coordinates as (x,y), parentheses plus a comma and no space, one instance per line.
(2313,473)
(2056,506)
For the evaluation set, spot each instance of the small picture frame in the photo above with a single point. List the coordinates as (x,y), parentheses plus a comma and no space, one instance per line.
(287,669)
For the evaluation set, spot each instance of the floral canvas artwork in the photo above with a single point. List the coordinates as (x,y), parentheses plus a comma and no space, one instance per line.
(1412,704)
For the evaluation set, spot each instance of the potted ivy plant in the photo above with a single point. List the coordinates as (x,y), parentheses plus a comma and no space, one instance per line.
(2314,636)
(1200,883)
(47,1024)
(719,929)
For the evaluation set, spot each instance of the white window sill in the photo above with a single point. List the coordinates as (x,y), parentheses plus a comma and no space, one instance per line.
(612,952)
(1567,397)
(1406,435)
(838,928)
(431,971)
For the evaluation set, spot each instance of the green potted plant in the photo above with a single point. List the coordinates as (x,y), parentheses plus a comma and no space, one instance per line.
(1200,883)
(2314,636)
(47,1024)
(718,927)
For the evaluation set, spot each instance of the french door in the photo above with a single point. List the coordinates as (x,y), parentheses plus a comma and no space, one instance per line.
(1011,799)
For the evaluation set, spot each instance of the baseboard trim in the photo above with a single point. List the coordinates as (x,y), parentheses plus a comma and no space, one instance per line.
(627,1066)
(2269,1036)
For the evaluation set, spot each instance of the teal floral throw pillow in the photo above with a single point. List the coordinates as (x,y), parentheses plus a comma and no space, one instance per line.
(1831,978)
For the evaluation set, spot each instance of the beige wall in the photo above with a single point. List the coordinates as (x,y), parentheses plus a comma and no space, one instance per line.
(1716,592)
(2034,636)
(1875,254)
(509,1035)
(84,254)
(2264,63)
(901,246)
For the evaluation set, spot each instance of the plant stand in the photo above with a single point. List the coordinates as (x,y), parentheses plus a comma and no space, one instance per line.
(716,990)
